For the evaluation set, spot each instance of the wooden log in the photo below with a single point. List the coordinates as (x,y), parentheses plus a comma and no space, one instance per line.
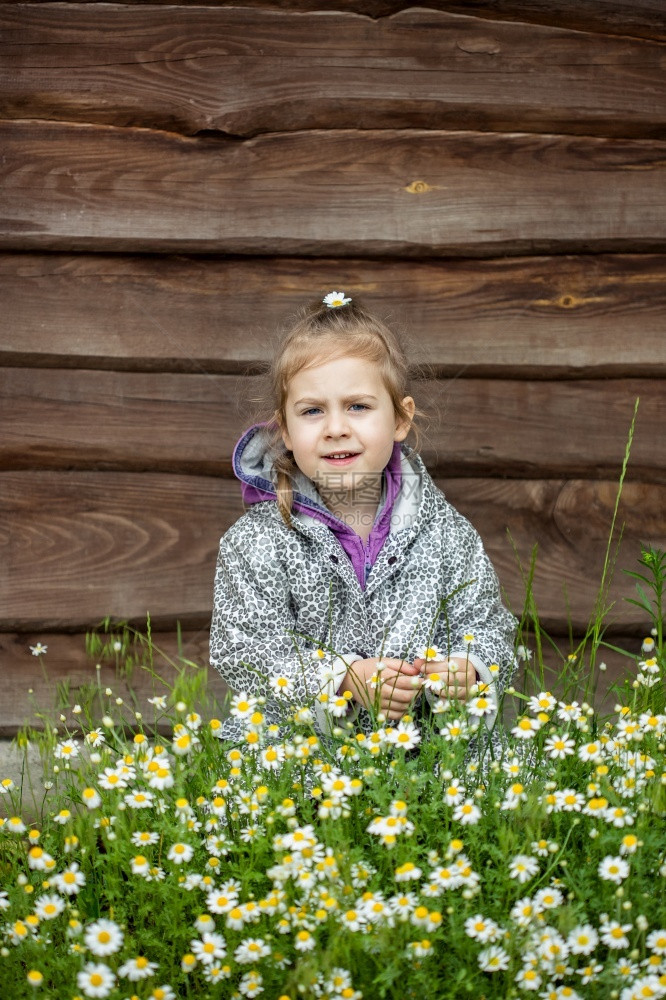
(536,317)
(157,422)
(639,18)
(82,187)
(65,675)
(79,546)
(244,71)
(30,688)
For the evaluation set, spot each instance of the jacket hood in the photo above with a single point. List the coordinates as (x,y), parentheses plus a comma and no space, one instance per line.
(253,463)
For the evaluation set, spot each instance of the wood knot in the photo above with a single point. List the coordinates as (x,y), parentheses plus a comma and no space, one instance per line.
(418,187)
(485,46)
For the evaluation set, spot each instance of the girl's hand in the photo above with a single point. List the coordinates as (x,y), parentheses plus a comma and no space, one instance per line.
(457,673)
(397,681)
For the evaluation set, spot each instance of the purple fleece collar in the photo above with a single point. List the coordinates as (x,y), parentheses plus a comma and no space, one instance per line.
(256,488)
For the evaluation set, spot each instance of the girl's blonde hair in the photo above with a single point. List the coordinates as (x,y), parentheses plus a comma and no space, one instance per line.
(320,334)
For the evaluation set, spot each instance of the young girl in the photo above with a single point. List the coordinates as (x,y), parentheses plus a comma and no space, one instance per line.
(350,573)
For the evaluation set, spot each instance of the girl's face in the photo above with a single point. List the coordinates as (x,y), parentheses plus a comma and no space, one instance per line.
(340,424)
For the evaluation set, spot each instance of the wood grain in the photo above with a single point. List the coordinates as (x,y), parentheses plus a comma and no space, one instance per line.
(78,546)
(29,687)
(83,187)
(160,422)
(536,317)
(245,71)
(639,18)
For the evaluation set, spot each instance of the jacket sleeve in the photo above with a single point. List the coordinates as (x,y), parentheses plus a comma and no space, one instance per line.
(472,606)
(253,632)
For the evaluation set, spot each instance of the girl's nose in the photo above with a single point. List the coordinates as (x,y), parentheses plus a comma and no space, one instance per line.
(337,424)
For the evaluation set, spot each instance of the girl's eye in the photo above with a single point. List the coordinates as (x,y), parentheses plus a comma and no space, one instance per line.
(359,406)
(313,409)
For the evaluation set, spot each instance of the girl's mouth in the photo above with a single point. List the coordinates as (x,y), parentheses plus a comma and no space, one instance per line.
(341,457)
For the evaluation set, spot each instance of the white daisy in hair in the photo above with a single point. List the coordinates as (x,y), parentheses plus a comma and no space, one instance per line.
(336,299)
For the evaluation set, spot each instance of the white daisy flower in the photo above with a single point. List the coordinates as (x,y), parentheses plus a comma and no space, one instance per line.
(590,751)
(139,800)
(137,968)
(353,920)
(526,728)
(183,743)
(48,907)
(569,712)
(15,825)
(528,978)
(103,937)
(588,973)
(405,735)
(160,777)
(523,867)
(614,934)
(39,649)
(250,985)
(235,917)
(144,838)
(542,702)
(180,853)
(66,750)
(251,950)
(456,729)
(403,905)
(111,779)
(493,959)
(336,299)
(281,686)
(613,869)
(569,800)
(480,706)
(548,898)
(220,901)
(454,792)
(523,912)
(582,939)
(70,881)
(431,653)
(204,922)
(558,747)
(96,979)
(304,941)
(208,949)
(163,992)
(407,872)
(467,813)
(482,929)
(91,798)
(656,941)
(216,973)
(159,701)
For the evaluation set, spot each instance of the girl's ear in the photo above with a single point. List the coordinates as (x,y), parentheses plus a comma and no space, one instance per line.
(402,426)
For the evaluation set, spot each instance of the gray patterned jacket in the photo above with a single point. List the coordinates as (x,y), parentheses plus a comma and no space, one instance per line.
(281,593)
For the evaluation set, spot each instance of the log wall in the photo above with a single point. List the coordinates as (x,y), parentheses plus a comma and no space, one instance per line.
(489,175)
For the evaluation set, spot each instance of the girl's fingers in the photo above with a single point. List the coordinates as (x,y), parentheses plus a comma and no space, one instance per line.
(403,666)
